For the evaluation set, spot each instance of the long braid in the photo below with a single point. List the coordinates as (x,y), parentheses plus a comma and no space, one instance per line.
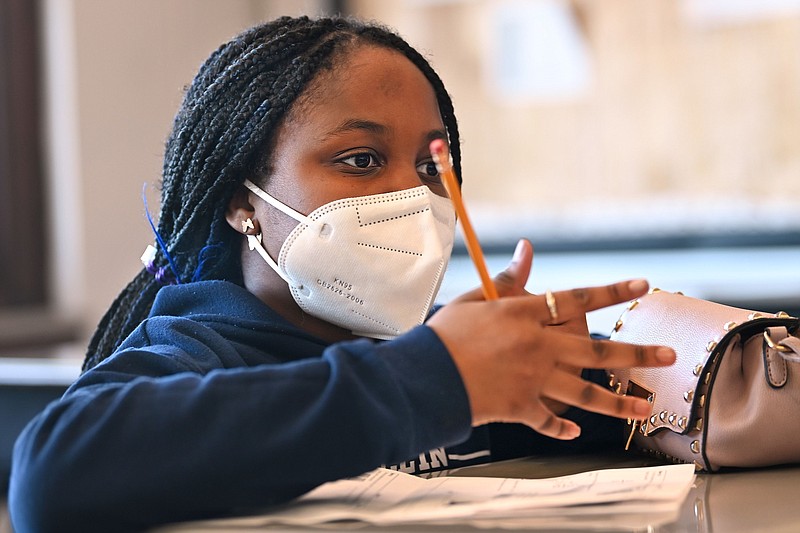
(222,134)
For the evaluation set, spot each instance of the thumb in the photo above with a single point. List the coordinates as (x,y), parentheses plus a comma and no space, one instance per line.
(512,280)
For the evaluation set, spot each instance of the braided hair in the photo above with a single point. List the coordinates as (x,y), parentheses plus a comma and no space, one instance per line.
(223,133)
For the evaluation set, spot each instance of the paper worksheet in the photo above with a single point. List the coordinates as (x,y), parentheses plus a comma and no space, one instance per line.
(387,497)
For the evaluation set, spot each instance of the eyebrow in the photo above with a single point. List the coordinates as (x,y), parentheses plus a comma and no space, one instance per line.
(436,134)
(355,124)
(376,128)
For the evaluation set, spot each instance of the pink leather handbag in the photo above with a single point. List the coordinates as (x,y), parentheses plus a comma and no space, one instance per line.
(732,398)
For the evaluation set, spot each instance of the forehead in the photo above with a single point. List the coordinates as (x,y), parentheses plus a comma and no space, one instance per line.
(369,82)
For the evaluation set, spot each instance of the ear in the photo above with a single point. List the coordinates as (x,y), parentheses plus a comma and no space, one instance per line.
(241,215)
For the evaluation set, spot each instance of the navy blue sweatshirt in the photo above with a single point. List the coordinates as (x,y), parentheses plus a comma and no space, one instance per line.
(216,405)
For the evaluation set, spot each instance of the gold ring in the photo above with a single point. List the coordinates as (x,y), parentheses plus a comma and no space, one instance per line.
(551,305)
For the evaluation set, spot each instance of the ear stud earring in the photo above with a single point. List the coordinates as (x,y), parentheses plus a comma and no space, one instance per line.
(247,224)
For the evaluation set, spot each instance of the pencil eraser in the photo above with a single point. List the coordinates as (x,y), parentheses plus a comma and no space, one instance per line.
(438,147)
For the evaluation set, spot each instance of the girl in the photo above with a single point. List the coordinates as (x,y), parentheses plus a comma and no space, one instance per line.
(304,230)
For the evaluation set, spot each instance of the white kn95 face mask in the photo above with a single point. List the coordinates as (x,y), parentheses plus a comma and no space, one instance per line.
(370,264)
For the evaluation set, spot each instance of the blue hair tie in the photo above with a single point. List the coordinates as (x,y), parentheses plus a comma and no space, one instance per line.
(209,254)
(161,274)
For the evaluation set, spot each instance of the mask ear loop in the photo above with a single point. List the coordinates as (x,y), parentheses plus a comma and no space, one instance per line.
(254,241)
(280,206)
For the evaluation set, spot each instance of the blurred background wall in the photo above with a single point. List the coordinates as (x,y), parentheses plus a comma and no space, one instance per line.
(112,77)
(624,137)
(620,115)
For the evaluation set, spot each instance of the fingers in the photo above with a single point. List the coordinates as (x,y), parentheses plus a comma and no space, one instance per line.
(547,423)
(512,280)
(578,301)
(572,390)
(559,307)
(592,353)
(512,366)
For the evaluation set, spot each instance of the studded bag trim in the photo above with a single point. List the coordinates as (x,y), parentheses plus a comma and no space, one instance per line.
(730,388)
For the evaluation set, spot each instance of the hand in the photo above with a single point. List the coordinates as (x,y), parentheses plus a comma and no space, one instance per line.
(512,364)
(511,282)
(507,284)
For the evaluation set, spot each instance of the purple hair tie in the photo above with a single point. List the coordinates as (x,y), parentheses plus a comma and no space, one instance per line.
(162,274)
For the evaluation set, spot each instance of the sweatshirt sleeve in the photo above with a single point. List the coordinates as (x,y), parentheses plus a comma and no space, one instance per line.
(153,436)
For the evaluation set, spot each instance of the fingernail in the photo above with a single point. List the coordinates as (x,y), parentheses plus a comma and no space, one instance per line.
(665,355)
(573,432)
(642,408)
(637,285)
(517,252)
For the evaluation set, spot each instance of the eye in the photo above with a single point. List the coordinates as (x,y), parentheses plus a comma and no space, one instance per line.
(428,170)
(363,160)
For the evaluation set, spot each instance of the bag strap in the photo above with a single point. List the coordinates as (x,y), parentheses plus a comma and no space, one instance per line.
(788,347)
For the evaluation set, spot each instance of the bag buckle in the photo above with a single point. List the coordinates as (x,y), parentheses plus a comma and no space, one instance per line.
(775,345)
(634,389)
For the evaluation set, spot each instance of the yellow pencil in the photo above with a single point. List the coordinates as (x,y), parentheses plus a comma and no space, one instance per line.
(441,156)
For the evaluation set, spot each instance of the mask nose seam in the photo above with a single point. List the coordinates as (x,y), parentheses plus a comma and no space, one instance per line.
(376,247)
(396,217)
